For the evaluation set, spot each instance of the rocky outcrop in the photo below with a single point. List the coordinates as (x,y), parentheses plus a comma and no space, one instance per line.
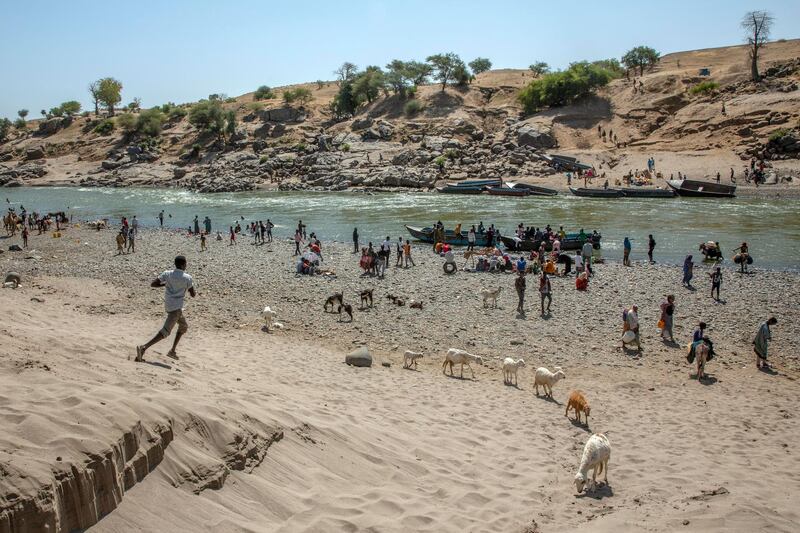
(21,173)
(536,134)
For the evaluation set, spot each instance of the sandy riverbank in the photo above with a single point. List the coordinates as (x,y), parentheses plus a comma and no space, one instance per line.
(276,434)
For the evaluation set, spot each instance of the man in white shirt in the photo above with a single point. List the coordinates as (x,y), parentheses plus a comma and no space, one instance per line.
(176,283)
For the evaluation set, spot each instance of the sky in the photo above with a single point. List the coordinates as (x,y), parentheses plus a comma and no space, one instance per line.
(183,50)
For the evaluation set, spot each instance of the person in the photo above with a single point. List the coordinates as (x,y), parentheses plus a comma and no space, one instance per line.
(700,332)
(626,252)
(232,237)
(196,225)
(480,227)
(471,239)
(219,235)
(202,242)
(270,225)
(718,176)
(761,342)
(24,236)
(632,324)
(298,238)
(651,245)
(399,250)
(407,254)
(716,281)
(175,282)
(545,291)
(386,252)
(120,243)
(688,271)
(207,225)
(521,264)
(733,174)
(490,236)
(587,250)
(161,218)
(364,262)
(355,240)
(301,228)
(582,281)
(567,260)
(519,285)
(744,256)
(667,312)
(131,240)
(578,262)
(134,224)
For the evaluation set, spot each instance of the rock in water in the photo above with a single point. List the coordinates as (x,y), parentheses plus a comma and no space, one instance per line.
(359,357)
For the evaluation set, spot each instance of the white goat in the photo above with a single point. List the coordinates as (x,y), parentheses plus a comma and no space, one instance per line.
(410,358)
(596,454)
(269,317)
(510,367)
(456,357)
(547,379)
(490,295)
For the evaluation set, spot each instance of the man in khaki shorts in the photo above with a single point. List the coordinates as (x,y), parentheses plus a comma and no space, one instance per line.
(175,282)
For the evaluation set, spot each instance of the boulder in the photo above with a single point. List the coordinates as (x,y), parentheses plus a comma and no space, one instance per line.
(361,124)
(359,357)
(37,152)
(283,114)
(178,172)
(278,130)
(50,126)
(537,135)
(109,164)
(434,142)
(18,248)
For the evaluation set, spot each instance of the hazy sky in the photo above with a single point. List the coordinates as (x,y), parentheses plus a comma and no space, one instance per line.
(183,50)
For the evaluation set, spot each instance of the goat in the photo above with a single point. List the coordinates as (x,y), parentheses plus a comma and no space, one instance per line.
(415,304)
(269,317)
(366,296)
(547,379)
(455,357)
(410,358)
(577,401)
(596,454)
(510,367)
(347,308)
(490,295)
(333,300)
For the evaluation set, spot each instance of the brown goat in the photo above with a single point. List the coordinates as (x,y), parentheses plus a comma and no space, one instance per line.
(578,402)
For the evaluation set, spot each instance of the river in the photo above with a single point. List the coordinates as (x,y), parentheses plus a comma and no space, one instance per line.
(770,226)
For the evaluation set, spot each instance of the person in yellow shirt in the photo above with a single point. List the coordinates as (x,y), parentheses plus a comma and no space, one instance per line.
(407,254)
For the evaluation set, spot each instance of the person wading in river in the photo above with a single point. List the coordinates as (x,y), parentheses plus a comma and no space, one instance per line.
(175,282)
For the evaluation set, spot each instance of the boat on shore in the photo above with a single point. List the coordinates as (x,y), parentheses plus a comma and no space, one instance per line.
(646,192)
(596,193)
(507,191)
(450,237)
(452,189)
(571,242)
(702,189)
(534,190)
(494,182)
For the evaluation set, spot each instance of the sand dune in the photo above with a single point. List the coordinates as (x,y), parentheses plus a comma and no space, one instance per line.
(261,432)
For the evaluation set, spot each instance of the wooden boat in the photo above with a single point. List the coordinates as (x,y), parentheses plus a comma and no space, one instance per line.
(477,183)
(450,237)
(637,192)
(566,162)
(534,190)
(571,242)
(596,193)
(703,189)
(451,189)
(507,191)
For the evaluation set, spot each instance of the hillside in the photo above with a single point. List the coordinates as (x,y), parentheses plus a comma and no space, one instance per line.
(479,130)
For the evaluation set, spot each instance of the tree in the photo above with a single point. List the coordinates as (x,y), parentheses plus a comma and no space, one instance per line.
(540,68)
(480,64)
(94,90)
(444,65)
(563,87)
(612,65)
(127,123)
(150,122)
(263,93)
(346,72)
(70,107)
(462,76)
(22,113)
(207,116)
(230,123)
(640,57)
(5,127)
(757,24)
(135,105)
(109,93)
(367,85)
(417,72)
(20,124)
(301,95)
(344,104)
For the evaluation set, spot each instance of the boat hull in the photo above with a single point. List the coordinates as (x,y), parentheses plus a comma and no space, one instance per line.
(701,189)
(459,190)
(426,235)
(570,243)
(647,193)
(596,193)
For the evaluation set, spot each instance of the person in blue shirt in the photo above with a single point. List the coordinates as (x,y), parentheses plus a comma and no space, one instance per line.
(626,251)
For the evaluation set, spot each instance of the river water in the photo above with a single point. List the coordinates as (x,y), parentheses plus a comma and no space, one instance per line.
(770,226)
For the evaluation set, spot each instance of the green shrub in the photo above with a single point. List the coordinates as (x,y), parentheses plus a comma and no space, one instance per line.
(20,124)
(320,84)
(413,107)
(5,127)
(263,93)
(263,159)
(300,95)
(177,113)
(779,134)
(207,115)
(345,147)
(440,161)
(230,100)
(104,127)
(411,92)
(150,122)
(255,107)
(126,122)
(301,147)
(704,87)
(86,114)
(563,87)
(451,154)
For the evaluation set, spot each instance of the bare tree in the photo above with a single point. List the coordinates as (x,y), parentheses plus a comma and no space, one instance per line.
(757,24)
(346,72)
(94,90)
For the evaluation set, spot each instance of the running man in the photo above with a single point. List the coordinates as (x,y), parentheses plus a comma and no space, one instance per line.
(175,282)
